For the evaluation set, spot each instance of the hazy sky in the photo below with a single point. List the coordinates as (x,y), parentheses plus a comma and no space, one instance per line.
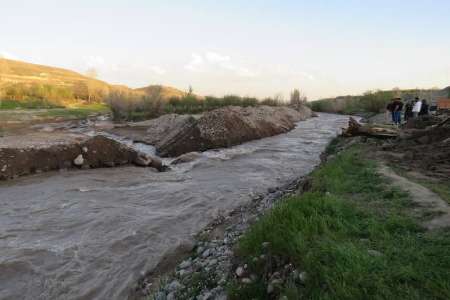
(256,48)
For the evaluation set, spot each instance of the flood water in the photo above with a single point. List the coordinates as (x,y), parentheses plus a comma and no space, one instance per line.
(91,234)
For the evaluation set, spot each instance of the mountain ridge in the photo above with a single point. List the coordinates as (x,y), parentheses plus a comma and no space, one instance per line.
(19,80)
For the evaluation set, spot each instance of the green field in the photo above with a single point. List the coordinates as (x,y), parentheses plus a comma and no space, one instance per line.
(20,115)
(353,236)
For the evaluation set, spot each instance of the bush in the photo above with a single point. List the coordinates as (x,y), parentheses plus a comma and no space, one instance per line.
(36,95)
(371,101)
(375,101)
(132,106)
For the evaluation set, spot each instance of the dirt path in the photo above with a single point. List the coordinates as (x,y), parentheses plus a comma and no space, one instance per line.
(422,196)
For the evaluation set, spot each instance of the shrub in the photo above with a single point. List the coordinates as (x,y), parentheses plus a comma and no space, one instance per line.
(129,105)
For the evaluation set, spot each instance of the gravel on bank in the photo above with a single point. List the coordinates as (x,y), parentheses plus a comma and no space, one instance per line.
(206,272)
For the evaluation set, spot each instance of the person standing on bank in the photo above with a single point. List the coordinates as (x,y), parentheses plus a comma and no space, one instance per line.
(390,110)
(398,107)
(408,110)
(417,107)
(424,108)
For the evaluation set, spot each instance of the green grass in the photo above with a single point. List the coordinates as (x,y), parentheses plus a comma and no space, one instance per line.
(79,112)
(28,104)
(25,116)
(354,237)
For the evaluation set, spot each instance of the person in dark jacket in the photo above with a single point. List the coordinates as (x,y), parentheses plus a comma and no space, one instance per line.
(408,110)
(398,107)
(424,110)
(390,110)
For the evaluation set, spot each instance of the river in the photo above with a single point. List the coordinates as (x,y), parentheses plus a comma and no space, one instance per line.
(91,234)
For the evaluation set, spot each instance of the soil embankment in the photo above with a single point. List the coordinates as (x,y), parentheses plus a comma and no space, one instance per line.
(41,152)
(173,135)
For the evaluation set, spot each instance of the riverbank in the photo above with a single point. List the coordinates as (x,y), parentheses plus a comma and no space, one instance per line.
(347,232)
(94,232)
(44,152)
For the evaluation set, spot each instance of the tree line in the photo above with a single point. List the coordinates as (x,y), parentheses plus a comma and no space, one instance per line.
(128,105)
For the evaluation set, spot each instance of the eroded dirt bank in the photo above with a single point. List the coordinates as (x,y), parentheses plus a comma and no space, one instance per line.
(42,152)
(173,135)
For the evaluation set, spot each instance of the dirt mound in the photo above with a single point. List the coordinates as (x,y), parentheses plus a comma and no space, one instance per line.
(40,153)
(230,126)
(173,135)
(156,130)
(427,150)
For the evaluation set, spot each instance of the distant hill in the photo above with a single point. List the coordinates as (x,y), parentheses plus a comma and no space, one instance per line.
(166,92)
(22,81)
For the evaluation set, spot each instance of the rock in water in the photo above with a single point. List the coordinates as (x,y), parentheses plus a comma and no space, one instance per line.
(145,160)
(157,163)
(240,271)
(79,160)
(142,160)
(188,157)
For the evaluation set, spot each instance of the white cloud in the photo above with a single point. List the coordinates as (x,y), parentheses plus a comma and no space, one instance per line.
(7,55)
(94,61)
(196,63)
(244,72)
(99,63)
(212,61)
(157,70)
(214,57)
(307,75)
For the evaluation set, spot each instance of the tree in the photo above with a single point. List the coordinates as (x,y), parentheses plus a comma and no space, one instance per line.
(298,98)
(190,91)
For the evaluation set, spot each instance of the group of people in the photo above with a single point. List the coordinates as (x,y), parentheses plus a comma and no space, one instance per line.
(413,109)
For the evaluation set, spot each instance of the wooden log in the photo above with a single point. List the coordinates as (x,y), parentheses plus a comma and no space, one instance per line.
(355,128)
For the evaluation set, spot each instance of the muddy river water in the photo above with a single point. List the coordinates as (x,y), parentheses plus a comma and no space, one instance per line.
(91,234)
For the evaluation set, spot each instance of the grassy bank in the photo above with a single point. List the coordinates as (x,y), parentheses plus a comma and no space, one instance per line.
(80,111)
(350,237)
(28,104)
(25,116)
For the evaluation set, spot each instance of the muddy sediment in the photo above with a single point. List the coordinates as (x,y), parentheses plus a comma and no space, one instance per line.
(39,152)
(426,151)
